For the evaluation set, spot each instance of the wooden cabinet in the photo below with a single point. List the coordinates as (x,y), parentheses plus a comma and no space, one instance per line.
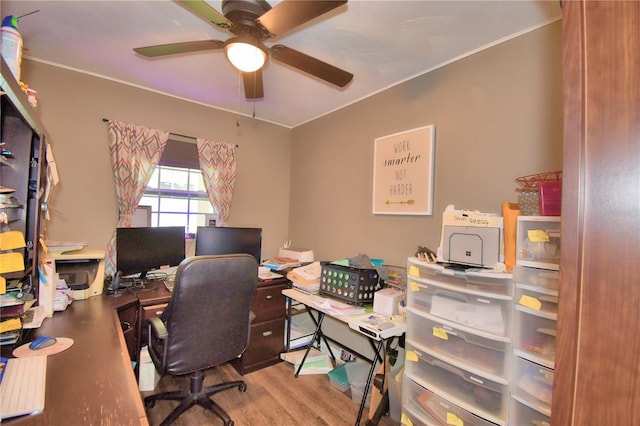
(596,366)
(22,170)
(127,314)
(267,329)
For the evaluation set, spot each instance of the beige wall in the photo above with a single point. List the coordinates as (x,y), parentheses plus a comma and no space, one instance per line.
(497,114)
(71,107)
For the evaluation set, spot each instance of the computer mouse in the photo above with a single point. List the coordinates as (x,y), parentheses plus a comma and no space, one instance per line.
(42,342)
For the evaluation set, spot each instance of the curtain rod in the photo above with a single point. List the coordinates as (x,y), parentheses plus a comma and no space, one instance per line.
(106,120)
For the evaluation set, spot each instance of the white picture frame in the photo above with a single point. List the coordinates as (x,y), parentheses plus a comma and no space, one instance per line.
(403,166)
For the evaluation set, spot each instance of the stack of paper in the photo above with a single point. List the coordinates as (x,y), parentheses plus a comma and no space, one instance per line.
(316,362)
(306,278)
(280,263)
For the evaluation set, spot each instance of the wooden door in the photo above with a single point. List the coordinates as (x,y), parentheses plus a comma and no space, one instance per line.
(597,379)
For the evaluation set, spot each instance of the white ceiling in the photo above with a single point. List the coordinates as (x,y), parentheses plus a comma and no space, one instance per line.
(382,43)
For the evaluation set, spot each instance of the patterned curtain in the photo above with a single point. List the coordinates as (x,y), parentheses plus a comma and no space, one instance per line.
(135,152)
(218,166)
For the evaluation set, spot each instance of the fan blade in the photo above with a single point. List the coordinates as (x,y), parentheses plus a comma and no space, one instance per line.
(253,84)
(291,13)
(311,65)
(184,47)
(206,12)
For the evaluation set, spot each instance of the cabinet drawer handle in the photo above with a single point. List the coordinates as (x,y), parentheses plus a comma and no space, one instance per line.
(267,333)
(269,297)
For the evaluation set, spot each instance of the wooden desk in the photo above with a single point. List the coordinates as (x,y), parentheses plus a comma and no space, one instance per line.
(92,382)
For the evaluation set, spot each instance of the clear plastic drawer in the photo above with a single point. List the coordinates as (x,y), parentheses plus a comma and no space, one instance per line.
(535,338)
(483,280)
(487,314)
(533,384)
(536,277)
(481,396)
(423,407)
(521,414)
(488,356)
(538,241)
(539,301)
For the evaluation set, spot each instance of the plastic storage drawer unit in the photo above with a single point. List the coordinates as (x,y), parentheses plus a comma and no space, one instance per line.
(471,392)
(423,407)
(489,356)
(476,311)
(478,279)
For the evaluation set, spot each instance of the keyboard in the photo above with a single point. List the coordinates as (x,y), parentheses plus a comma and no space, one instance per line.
(22,386)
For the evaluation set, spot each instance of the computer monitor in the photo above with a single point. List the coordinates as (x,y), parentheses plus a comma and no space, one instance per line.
(227,240)
(140,250)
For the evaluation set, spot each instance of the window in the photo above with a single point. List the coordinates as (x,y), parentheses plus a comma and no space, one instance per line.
(176,191)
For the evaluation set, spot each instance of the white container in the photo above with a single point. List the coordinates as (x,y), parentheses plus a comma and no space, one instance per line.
(12,47)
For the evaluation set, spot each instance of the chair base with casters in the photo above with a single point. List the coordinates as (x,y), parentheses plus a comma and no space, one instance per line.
(195,395)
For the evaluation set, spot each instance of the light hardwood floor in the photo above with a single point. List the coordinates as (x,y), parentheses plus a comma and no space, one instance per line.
(273,397)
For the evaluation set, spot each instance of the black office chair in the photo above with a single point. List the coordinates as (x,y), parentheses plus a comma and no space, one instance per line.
(205,324)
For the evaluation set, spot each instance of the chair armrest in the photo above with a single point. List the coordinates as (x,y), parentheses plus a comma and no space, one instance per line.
(157,327)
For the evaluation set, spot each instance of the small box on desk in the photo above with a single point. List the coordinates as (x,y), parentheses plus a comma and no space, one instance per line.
(385,301)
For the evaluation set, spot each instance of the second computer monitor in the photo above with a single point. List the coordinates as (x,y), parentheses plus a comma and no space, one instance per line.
(227,240)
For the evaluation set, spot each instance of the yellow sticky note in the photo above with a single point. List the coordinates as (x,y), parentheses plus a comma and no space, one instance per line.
(413,286)
(10,325)
(454,420)
(12,240)
(538,236)
(3,285)
(405,420)
(530,302)
(413,270)
(412,356)
(11,262)
(440,333)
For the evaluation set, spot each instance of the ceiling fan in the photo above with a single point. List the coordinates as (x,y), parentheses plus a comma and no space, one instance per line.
(252,22)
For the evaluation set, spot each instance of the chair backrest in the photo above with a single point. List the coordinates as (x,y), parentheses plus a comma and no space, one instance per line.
(207,318)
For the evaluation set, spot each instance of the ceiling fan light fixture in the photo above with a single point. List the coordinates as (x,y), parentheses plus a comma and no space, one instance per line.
(246,55)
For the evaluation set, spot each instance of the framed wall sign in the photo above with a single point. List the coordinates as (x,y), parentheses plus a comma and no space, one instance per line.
(403,172)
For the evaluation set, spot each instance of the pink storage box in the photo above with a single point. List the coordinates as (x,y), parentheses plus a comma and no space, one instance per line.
(550,198)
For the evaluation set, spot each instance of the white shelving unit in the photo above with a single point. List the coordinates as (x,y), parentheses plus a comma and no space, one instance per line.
(458,346)
(536,277)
